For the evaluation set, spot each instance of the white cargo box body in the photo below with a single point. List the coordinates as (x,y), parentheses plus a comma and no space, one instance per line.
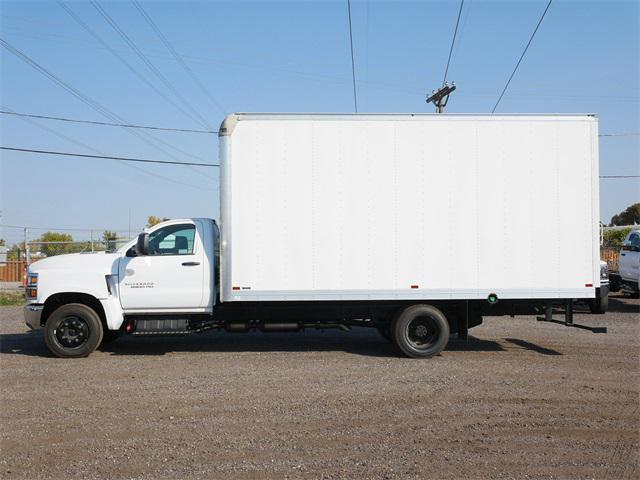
(375,207)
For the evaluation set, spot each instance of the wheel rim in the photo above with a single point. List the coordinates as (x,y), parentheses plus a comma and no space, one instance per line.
(72,332)
(423,332)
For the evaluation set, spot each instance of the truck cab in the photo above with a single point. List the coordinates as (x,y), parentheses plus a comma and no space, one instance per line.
(169,269)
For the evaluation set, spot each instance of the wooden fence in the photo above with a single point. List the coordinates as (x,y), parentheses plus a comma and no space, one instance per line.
(12,271)
(610,255)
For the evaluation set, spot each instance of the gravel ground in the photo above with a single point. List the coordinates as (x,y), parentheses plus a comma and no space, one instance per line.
(522,399)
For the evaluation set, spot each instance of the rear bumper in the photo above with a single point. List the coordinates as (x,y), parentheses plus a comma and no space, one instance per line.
(32,314)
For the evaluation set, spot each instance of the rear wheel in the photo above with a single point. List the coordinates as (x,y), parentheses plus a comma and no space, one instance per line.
(73,330)
(420,331)
(600,304)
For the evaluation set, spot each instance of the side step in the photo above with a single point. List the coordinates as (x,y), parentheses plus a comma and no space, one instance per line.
(158,326)
(140,325)
(568,318)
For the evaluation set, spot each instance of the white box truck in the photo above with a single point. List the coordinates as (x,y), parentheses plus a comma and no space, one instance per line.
(417,225)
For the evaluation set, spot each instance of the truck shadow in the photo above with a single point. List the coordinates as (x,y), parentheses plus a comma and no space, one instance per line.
(358,342)
(532,346)
(366,343)
(28,343)
(621,304)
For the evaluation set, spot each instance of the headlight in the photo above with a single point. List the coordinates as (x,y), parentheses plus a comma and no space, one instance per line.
(604,272)
(32,286)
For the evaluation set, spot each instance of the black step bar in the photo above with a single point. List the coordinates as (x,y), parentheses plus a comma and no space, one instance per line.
(568,318)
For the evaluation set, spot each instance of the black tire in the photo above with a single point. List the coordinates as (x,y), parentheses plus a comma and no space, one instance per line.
(600,304)
(614,285)
(420,331)
(73,330)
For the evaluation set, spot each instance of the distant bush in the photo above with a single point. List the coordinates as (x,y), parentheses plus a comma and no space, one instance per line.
(614,238)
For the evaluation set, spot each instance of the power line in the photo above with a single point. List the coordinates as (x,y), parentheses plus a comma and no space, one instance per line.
(619,176)
(177,57)
(84,98)
(76,93)
(124,164)
(124,159)
(166,162)
(148,62)
(79,21)
(522,56)
(65,229)
(319,77)
(453,41)
(92,122)
(630,134)
(141,77)
(353,65)
(463,24)
(188,130)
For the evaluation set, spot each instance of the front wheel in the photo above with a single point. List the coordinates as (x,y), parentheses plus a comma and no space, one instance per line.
(73,330)
(420,331)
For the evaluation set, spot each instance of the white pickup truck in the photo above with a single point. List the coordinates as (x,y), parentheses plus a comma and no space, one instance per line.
(628,275)
(334,221)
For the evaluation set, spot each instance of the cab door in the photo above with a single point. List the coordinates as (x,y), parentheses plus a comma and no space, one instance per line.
(170,277)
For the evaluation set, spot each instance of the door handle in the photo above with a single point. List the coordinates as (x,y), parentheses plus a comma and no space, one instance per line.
(190,264)
(623,254)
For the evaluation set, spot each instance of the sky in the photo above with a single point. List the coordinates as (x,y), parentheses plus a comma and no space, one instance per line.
(280,57)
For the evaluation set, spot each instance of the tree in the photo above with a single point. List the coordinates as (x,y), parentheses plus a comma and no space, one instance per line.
(152,220)
(109,235)
(15,252)
(55,237)
(56,243)
(109,240)
(614,238)
(2,242)
(630,216)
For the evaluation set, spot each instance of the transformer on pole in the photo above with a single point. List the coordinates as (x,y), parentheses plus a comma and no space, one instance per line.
(440,97)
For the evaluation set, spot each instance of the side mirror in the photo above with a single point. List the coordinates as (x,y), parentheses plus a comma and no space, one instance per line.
(142,246)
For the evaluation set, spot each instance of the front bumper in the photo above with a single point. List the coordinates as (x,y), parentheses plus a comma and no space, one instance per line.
(32,314)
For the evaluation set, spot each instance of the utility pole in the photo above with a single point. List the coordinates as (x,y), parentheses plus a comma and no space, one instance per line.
(27,253)
(440,97)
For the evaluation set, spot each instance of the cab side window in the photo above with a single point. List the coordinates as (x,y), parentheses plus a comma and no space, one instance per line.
(173,240)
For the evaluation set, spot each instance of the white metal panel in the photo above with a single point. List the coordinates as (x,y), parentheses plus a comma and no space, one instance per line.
(154,282)
(369,206)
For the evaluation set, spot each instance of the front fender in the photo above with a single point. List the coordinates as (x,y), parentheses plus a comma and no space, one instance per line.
(106,296)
